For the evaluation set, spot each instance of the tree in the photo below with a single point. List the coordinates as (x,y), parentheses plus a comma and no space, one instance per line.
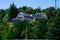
(54,26)
(21,26)
(42,27)
(29,10)
(57,12)
(2,14)
(22,9)
(12,11)
(50,12)
(3,30)
(37,10)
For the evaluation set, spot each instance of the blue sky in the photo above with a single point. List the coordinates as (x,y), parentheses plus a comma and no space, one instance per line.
(4,4)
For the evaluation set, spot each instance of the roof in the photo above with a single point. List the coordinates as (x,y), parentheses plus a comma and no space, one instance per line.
(23,14)
(39,15)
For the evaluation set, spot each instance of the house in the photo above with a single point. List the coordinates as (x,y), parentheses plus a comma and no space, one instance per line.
(39,15)
(23,16)
(29,17)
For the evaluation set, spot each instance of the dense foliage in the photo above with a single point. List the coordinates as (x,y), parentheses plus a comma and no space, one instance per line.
(40,29)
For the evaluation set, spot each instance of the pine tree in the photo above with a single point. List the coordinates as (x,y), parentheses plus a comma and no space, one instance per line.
(12,11)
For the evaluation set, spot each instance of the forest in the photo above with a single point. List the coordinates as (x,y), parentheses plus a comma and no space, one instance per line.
(40,29)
